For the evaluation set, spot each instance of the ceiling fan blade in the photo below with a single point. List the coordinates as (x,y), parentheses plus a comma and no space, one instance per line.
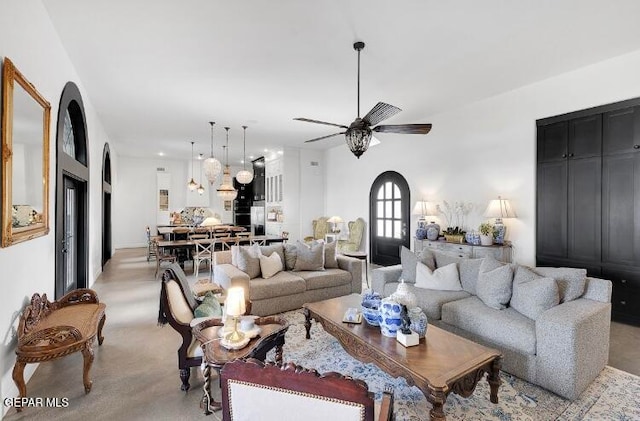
(380,112)
(323,137)
(308,120)
(404,128)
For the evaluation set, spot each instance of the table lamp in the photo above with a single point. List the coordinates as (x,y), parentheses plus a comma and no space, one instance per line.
(334,221)
(210,222)
(499,208)
(426,210)
(235,307)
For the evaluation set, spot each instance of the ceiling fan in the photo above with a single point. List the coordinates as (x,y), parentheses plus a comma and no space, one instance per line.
(358,134)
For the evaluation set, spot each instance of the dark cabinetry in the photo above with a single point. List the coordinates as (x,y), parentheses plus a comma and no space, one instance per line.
(588,198)
(242,204)
(258,179)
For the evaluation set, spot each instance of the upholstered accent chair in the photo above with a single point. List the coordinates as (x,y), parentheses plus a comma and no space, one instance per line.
(253,390)
(320,229)
(177,304)
(356,232)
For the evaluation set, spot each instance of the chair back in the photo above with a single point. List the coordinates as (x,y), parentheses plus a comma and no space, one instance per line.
(181,233)
(356,231)
(253,390)
(320,227)
(204,247)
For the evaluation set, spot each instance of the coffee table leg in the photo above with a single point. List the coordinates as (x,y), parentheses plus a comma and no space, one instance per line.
(494,379)
(307,322)
(436,398)
(206,388)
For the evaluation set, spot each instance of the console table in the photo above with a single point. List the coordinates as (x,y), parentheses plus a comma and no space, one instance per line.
(499,252)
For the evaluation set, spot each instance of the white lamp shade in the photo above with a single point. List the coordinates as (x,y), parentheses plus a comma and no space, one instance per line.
(210,222)
(234,305)
(499,208)
(244,177)
(335,220)
(424,208)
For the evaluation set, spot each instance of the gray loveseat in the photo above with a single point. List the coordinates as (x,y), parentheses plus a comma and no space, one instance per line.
(562,350)
(288,289)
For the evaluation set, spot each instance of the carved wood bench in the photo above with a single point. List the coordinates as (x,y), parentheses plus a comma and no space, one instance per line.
(50,330)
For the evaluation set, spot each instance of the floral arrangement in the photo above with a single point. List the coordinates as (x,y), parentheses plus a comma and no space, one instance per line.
(486,228)
(454,215)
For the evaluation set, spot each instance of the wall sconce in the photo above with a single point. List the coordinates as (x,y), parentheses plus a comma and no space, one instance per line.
(500,209)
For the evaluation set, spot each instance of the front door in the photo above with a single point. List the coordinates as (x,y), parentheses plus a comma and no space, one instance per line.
(69,246)
(389,204)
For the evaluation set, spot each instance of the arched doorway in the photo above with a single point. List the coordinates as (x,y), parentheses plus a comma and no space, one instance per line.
(389,207)
(72,193)
(106,204)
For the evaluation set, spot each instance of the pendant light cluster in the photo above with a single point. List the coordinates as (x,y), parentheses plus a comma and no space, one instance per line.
(212,168)
(226,190)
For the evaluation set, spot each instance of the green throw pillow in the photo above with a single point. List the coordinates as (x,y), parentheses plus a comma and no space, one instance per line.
(210,307)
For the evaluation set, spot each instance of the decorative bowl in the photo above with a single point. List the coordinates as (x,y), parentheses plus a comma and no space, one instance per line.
(371,312)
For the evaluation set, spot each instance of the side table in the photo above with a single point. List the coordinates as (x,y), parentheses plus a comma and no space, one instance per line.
(273,329)
(361,255)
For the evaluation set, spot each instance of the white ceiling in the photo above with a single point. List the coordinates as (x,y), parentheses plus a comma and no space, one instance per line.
(158,70)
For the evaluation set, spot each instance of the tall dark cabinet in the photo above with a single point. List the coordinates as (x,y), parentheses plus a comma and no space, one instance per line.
(242,204)
(588,198)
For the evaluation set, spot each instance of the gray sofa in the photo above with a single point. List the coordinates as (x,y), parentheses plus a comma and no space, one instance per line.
(562,350)
(289,290)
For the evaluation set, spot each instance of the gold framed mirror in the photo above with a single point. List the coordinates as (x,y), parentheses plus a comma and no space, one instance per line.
(25,158)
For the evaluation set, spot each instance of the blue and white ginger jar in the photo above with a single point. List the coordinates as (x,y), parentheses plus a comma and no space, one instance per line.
(390,319)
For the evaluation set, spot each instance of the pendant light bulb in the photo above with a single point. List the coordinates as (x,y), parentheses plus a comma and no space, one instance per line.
(243,176)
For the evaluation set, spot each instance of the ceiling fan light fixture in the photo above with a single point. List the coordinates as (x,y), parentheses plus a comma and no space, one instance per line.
(358,139)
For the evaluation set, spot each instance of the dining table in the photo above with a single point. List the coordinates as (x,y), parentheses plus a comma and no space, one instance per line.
(225,242)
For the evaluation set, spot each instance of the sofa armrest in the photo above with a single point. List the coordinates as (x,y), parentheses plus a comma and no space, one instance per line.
(572,342)
(384,275)
(227,276)
(354,267)
(598,290)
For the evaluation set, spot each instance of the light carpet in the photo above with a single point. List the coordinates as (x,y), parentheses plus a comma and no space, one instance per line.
(612,396)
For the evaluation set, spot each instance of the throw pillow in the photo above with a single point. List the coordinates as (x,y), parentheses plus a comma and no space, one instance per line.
(444,258)
(469,270)
(309,257)
(210,307)
(409,259)
(533,294)
(494,283)
(271,265)
(277,247)
(248,260)
(571,281)
(290,255)
(330,261)
(443,279)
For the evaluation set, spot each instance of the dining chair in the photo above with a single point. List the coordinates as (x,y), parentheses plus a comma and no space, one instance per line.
(202,253)
(162,256)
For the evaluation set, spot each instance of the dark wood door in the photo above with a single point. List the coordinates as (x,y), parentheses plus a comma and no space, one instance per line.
(553,140)
(585,137)
(584,209)
(621,131)
(389,207)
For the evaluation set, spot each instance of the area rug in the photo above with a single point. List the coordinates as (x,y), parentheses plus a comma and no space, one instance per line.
(612,396)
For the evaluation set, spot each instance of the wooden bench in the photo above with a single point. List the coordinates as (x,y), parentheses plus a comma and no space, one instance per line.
(50,330)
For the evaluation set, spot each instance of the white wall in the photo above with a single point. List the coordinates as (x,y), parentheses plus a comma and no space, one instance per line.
(28,38)
(136,188)
(312,191)
(480,151)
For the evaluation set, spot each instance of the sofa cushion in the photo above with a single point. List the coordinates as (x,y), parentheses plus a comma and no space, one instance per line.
(495,282)
(571,281)
(270,265)
(444,258)
(282,283)
(290,254)
(325,278)
(429,300)
(330,261)
(469,270)
(442,279)
(276,247)
(246,259)
(309,257)
(506,328)
(533,294)
(409,259)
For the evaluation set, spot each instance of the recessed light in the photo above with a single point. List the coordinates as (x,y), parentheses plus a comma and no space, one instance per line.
(266,150)
(280,152)
(251,156)
(161,153)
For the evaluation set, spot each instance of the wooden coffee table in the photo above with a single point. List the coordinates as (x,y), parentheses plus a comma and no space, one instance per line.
(442,363)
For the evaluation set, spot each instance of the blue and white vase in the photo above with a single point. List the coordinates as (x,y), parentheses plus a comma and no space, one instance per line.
(390,319)
(418,321)
(433,231)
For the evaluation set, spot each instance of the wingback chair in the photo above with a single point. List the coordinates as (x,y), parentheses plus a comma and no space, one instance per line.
(356,231)
(253,390)
(320,229)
